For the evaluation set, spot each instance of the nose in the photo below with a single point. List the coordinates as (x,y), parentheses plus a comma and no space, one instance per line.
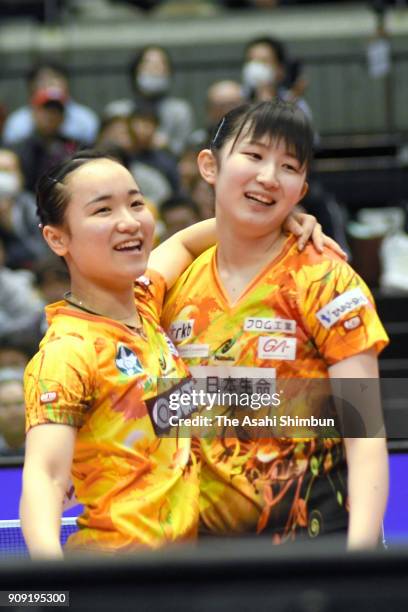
(268,176)
(127,221)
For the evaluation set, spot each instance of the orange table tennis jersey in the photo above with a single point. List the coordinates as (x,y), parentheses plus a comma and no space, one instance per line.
(302,313)
(97,375)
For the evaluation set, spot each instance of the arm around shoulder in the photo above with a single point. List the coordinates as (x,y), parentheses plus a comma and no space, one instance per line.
(176,253)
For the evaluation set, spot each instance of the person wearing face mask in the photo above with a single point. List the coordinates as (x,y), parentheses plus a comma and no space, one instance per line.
(267,73)
(18,224)
(151,74)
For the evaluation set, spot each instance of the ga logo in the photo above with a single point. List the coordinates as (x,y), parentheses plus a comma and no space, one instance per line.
(277,347)
(127,362)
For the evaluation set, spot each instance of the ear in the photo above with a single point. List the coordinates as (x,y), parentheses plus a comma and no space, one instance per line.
(304,191)
(207,164)
(57,239)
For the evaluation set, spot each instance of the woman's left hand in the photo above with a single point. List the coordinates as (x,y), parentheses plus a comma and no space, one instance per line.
(306,227)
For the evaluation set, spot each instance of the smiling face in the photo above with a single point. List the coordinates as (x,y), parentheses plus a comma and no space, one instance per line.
(108,230)
(257,184)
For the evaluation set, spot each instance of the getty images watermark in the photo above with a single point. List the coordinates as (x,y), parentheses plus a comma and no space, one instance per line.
(300,408)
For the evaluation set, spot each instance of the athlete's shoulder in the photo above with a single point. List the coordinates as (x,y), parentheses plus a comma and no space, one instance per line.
(311,263)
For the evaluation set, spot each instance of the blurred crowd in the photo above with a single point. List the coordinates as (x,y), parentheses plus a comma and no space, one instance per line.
(155,134)
(53,11)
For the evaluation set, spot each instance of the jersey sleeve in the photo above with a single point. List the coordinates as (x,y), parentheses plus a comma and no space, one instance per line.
(338,311)
(150,290)
(59,382)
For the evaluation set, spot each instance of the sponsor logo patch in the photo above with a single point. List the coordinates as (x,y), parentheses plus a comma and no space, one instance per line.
(127,361)
(181,330)
(263,324)
(277,347)
(49,397)
(344,303)
(190,351)
(262,380)
(352,323)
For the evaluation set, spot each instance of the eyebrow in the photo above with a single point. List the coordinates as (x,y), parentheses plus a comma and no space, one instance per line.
(108,196)
(258,143)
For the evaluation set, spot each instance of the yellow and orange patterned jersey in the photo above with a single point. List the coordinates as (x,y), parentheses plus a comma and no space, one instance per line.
(300,315)
(97,375)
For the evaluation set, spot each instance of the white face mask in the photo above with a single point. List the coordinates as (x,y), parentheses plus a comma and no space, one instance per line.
(257,73)
(153,83)
(9,184)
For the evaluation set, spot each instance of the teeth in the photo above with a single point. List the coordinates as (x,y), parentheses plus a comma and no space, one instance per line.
(260,198)
(130,244)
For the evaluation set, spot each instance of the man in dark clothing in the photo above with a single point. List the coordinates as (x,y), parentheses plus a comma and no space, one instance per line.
(46,147)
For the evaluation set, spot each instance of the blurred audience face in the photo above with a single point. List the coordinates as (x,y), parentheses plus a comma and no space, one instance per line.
(48,119)
(52,279)
(263,53)
(154,61)
(203,195)
(12,413)
(53,288)
(178,218)
(11,178)
(153,72)
(116,132)
(262,66)
(222,97)
(12,357)
(143,129)
(188,169)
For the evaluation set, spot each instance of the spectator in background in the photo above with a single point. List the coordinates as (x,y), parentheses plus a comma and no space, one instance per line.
(80,122)
(128,131)
(115,132)
(52,279)
(331,214)
(267,73)
(154,169)
(177,213)
(18,220)
(187,167)
(46,146)
(3,116)
(20,306)
(12,412)
(203,196)
(151,74)
(222,96)
(14,354)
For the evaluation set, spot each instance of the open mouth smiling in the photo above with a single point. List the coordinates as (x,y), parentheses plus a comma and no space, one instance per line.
(260,198)
(130,246)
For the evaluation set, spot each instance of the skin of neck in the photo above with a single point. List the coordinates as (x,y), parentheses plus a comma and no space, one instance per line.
(116,302)
(238,250)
